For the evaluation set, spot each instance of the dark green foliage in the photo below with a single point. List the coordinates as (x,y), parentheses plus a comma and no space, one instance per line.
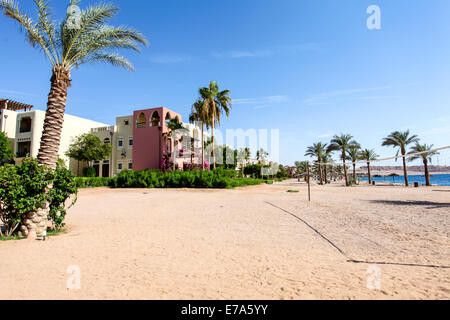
(93,182)
(89,172)
(88,147)
(6,152)
(63,187)
(22,191)
(254,170)
(218,179)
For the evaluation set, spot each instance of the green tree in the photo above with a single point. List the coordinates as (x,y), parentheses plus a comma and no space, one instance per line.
(342,143)
(215,103)
(174,128)
(6,152)
(199,114)
(368,155)
(353,155)
(88,147)
(426,158)
(81,38)
(401,140)
(317,150)
(261,155)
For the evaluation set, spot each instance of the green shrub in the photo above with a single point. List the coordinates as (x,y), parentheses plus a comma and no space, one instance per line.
(95,182)
(64,186)
(22,191)
(219,178)
(89,172)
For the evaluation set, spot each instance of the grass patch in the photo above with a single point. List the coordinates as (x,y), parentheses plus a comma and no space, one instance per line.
(293,191)
(50,234)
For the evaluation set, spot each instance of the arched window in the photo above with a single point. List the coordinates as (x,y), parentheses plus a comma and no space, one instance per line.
(107,140)
(167,118)
(155,120)
(141,121)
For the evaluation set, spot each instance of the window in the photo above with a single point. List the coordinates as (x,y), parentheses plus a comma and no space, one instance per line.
(141,121)
(25,125)
(120,143)
(119,166)
(126,122)
(107,141)
(155,119)
(130,142)
(130,165)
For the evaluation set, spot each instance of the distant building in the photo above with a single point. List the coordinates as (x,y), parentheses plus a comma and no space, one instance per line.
(24,130)
(139,141)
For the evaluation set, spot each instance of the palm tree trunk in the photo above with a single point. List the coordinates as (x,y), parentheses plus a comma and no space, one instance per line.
(325,173)
(404,168)
(368,170)
(320,172)
(345,169)
(36,222)
(427,173)
(354,173)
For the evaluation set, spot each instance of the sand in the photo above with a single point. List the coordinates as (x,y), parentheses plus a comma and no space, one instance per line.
(250,243)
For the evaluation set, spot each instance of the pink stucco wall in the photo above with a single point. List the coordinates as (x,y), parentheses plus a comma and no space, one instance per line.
(148,143)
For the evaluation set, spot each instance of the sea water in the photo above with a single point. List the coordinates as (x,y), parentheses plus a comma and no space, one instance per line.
(436,179)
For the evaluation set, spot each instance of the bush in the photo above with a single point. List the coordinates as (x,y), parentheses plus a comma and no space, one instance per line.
(64,186)
(94,182)
(219,178)
(89,172)
(22,191)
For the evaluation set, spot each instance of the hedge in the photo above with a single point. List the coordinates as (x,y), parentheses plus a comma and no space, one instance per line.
(93,182)
(218,179)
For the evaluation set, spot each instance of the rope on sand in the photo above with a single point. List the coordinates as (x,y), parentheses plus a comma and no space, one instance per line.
(346,256)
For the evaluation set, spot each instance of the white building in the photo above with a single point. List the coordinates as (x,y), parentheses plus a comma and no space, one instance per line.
(24,130)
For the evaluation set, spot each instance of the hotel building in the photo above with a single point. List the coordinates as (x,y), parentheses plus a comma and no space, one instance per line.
(139,140)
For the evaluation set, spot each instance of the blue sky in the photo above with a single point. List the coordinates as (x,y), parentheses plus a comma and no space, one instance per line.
(309,68)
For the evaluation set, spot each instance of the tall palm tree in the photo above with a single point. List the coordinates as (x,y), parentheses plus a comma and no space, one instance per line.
(426,158)
(199,114)
(215,103)
(174,126)
(401,140)
(368,155)
(68,45)
(317,150)
(342,143)
(353,155)
(326,159)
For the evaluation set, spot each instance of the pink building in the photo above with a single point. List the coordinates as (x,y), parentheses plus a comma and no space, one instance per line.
(149,144)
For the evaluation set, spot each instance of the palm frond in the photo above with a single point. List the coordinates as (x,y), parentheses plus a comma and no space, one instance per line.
(32,30)
(110,58)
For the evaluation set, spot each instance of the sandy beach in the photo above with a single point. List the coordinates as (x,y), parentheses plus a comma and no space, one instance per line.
(251,243)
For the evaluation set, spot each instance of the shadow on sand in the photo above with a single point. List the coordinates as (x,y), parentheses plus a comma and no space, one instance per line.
(428,204)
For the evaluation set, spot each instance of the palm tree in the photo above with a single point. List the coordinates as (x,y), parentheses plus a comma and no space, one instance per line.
(198,114)
(401,140)
(342,143)
(317,150)
(215,103)
(353,155)
(261,155)
(426,157)
(327,159)
(68,45)
(368,155)
(174,126)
